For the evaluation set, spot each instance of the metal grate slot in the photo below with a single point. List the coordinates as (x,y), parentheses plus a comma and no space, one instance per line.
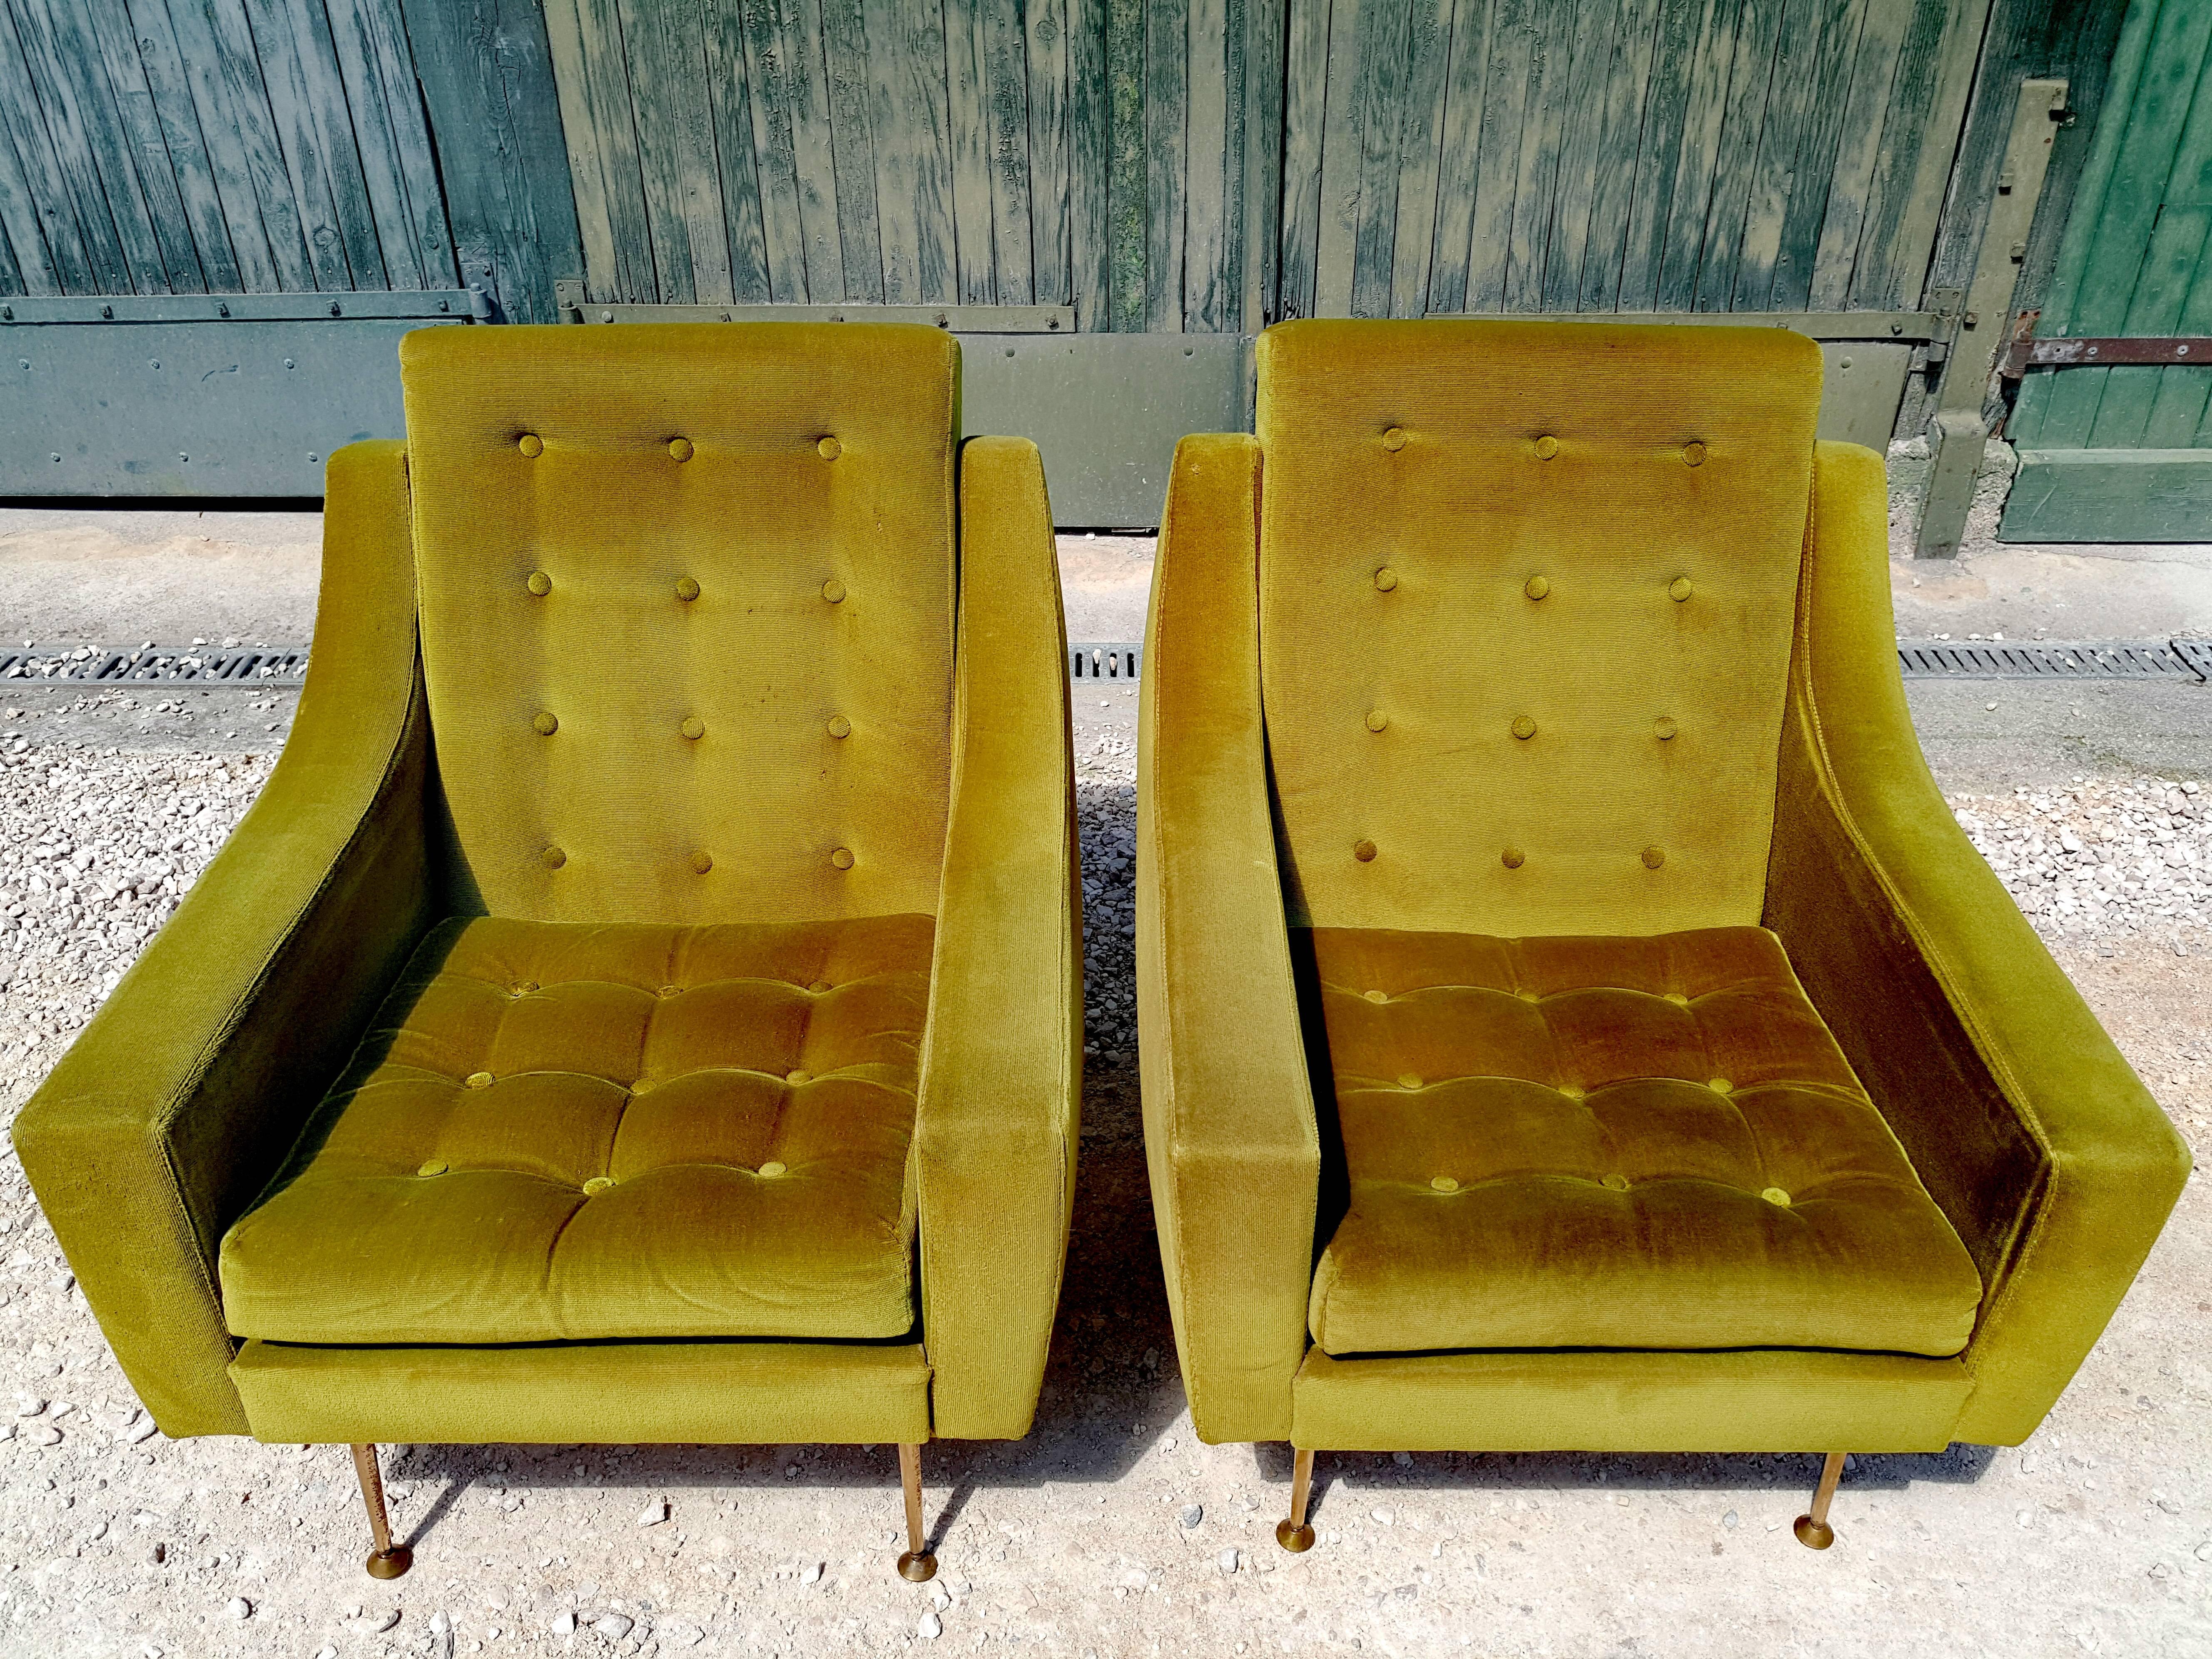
(1098,661)
(259,664)
(2094,659)
(2197,654)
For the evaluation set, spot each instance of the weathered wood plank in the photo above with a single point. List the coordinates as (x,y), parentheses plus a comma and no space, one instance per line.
(2110,494)
(324,115)
(142,141)
(1262,122)
(1613,196)
(1796,242)
(1799,52)
(1684,28)
(118,266)
(1378,131)
(1336,253)
(730,106)
(1304,118)
(487,81)
(1451,239)
(1697,159)
(1419,156)
(805,83)
(783,227)
(912,152)
(1934,73)
(676,145)
(1045,51)
(1208,297)
(383,36)
(975,249)
(1598,31)
(596,127)
(45,188)
(284,80)
(1089,160)
(1750,102)
(376,140)
(1005,88)
(1127,166)
(1858,150)
(216,47)
(846,77)
(30,263)
(146,25)
(1167,109)
(1536,178)
(1516,27)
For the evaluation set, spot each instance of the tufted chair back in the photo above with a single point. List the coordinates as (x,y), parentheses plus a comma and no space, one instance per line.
(687,612)
(1527,594)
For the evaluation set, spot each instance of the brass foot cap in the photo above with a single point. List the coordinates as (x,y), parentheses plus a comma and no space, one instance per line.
(1296,1539)
(917,1566)
(1813,1534)
(389,1564)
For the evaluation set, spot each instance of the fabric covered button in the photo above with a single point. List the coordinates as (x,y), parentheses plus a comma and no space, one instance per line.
(693,727)
(1444,1183)
(1386,579)
(1546,447)
(1693,454)
(642,1087)
(538,583)
(1524,728)
(819,986)
(1775,1195)
(1663,729)
(797,1078)
(1721,1085)
(679,449)
(531,445)
(1679,589)
(843,858)
(829,449)
(839,727)
(597,1185)
(1513,858)
(670,991)
(1527,996)
(1535,587)
(1408,1081)
(1678,998)
(772,1168)
(1573,1093)
(1376,719)
(1654,857)
(433,1166)
(1377,996)
(834,591)
(1618,1181)
(479,1079)
(687,590)
(1363,851)
(701,863)
(553,858)
(543,724)
(522,988)
(1394,439)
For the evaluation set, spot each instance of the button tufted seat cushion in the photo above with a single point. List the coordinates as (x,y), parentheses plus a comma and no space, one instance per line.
(1613,1143)
(567,1131)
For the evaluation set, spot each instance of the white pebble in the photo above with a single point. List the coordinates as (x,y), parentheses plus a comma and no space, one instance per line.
(239,1608)
(930,1626)
(653,1513)
(1228,1560)
(612,1626)
(564,1624)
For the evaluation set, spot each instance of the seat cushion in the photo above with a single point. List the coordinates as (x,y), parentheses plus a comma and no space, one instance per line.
(1613,1143)
(563,1131)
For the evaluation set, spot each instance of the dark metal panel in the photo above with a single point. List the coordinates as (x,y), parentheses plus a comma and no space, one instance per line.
(194,409)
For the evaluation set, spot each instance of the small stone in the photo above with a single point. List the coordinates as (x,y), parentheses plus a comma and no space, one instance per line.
(811,1573)
(43,1434)
(653,1513)
(140,1431)
(564,1624)
(28,1405)
(239,1608)
(930,1626)
(682,1636)
(1228,1559)
(1385,1517)
(1403,1460)
(439,1623)
(1193,1514)
(1729,1520)
(613,1625)
(326,1651)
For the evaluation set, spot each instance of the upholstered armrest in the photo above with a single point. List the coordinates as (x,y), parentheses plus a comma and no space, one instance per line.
(2052,1160)
(1002,1056)
(1229,1117)
(189,1086)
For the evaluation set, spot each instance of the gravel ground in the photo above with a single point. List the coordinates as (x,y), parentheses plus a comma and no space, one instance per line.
(1110,1531)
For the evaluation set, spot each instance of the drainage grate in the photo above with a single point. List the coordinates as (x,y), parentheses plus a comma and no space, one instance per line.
(1094,661)
(2092,659)
(258,664)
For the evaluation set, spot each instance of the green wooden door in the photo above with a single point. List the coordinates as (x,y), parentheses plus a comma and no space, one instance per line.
(2125,454)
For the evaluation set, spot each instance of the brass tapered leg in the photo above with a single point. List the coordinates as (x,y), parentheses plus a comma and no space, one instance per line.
(388,1559)
(1813,1530)
(917,1566)
(1294,1535)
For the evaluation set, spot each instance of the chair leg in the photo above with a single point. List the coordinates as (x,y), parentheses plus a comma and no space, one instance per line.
(1813,1530)
(917,1566)
(1294,1535)
(388,1559)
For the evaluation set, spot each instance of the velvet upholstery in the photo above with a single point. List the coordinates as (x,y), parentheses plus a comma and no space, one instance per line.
(1613,1143)
(1375,764)
(691,749)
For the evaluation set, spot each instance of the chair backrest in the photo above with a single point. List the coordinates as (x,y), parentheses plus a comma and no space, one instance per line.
(1527,594)
(687,614)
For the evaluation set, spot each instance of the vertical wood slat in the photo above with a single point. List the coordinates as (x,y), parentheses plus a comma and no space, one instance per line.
(783,227)
(1801,53)
(1349,62)
(1598,30)
(391,142)
(1419,157)
(912,150)
(974,247)
(849,83)
(1126,165)
(1747,113)
(584,39)
(1453,237)
(1377,116)
(285,81)
(236,122)
(676,152)
(1796,240)
(1207,302)
(30,267)
(1262,124)
(1305,100)
(1627,86)
(1903,186)
(1514,28)
(806,84)
(1858,150)
(46,198)
(1088,151)
(44,85)
(730,109)
(1006,99)
(360,153)
(1045,51)
(1167,101)
(129,107)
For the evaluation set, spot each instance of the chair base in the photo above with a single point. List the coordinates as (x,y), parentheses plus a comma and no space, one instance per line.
(392,1563)
(1813,1534)
(1297,1539)
(1294,1535)
(917,1566)
(1813,1530)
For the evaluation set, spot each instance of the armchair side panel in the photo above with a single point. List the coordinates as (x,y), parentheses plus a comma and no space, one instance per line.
(1002,1067)
(2050,1158)
(1229,1135)
(183,1094)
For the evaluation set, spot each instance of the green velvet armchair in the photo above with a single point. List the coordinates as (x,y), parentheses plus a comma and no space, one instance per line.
(645,1003)
(1571,1019)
